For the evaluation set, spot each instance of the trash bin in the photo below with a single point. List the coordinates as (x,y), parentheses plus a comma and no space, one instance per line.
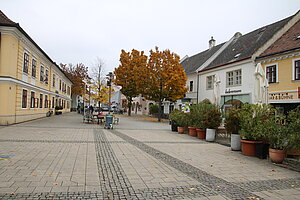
(108,122)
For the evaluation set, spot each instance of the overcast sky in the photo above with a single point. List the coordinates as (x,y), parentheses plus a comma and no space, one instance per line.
(74,31)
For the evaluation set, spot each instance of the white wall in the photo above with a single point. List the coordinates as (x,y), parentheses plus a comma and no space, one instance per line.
(247,86)
(192,94)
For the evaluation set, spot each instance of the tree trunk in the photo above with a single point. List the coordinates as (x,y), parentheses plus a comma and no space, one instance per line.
(159,111)
(129,106)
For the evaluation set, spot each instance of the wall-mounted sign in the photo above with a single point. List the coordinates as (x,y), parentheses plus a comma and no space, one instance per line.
(282,96)
(228,91)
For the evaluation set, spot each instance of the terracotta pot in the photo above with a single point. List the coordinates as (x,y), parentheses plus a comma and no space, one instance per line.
(192,131)
(186,129)
(248,147)
(277,156)
(201,133)
(180,130)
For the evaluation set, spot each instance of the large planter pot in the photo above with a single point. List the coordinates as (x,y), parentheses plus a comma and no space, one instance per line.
(261,150)
(248,147)
(201,133)
(235,142)
(180,130)
(174,126)
(192,131)
(186,130)
(277,156)
(210,135)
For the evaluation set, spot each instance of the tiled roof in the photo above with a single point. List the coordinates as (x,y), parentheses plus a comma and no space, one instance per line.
(191,64)
(245,46)
(5,20)
(288,41)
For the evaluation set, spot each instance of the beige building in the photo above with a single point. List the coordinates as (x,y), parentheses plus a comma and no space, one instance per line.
(31,84)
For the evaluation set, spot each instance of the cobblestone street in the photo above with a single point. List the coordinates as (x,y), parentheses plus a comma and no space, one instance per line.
(62,158)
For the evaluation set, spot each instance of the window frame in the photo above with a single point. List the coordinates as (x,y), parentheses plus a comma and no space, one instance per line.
(24,100)
(294,69)
(276,72)
(33,67)
(32,99)
(53,80)
(42,74)
(233,79)
(41,101)
(46,76)
(26,62)
(212,82)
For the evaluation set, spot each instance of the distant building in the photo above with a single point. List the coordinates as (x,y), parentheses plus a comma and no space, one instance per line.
(31,84)
(281,62)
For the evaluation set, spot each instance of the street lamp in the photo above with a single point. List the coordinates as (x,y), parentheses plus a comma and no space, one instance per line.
(109,79)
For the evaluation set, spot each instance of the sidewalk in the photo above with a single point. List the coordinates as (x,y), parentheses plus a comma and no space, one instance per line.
(60,157)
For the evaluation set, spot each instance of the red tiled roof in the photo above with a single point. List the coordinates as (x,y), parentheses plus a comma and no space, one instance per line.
(288,41)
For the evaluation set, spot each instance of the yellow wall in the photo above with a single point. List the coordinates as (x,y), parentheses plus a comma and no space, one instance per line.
(285,75)
(11,65)
(9,52)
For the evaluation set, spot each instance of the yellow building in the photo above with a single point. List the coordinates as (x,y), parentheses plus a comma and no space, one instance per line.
(31,84)
(281,62)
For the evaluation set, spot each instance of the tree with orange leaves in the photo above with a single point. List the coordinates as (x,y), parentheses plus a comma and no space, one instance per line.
(130,74)
(166,78)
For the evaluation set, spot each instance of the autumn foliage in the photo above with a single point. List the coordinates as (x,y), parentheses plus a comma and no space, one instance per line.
(159,78)
(78,75)
(128,74)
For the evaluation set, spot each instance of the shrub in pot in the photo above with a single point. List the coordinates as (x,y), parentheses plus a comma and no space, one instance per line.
(213,119)
(197,117)
(232,125)
(182,121)
(293,121)
(173,117)
(252,119)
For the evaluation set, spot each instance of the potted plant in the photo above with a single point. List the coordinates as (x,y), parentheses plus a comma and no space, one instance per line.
(213,120)
(193,118)
(232,125)
(293,121)
(197,118)
(252,119)
(182,121)
(173,116)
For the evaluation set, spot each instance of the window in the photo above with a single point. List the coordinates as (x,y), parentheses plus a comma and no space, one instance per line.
(26,62)
(46,76)
(41,100)
(234,78)
(59,84)
(68,91)
(297,70)
(68,104)
(191,86)
(42,74)
(209,82)
(46,101)
(271,73)
(53,80)
(52,102)
(32,100)
(33,72)
(24,98)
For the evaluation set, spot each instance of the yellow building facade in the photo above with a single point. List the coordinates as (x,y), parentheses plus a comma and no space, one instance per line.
(31,84)
(281,62)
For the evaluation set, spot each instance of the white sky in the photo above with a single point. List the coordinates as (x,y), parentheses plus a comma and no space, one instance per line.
(74,31)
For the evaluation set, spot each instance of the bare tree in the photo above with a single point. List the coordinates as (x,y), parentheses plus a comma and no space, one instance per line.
(98,78)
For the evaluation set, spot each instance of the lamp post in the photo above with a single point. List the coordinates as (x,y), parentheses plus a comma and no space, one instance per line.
(109,79)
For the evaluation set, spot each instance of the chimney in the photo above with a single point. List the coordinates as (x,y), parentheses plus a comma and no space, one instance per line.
(212,42)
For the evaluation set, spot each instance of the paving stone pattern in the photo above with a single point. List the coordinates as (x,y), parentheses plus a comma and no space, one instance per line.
(214,183)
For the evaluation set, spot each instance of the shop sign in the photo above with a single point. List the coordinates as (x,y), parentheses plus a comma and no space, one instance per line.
(282,96)
(228,91)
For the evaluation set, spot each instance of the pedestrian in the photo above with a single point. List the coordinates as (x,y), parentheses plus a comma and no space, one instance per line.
(91,109)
